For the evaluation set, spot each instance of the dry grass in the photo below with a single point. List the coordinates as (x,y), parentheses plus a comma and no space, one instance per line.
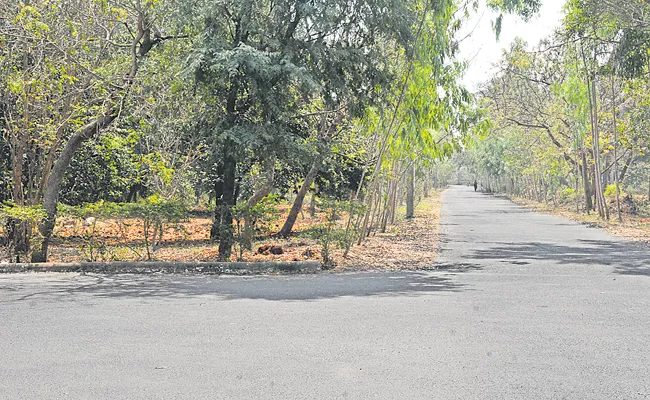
(407,244)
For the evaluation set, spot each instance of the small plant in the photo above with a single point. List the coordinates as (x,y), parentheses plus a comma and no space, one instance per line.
(155,213)
(250,221)
(93,248)
(331,233)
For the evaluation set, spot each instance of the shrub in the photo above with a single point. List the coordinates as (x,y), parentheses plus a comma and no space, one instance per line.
(20,227)
(567,194)
(330,233)
(252,220)
(154,212)
(610,190)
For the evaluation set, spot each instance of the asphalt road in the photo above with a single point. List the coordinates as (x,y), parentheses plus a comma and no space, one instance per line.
(523,306)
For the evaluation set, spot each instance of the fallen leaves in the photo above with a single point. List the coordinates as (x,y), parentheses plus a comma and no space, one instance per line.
(409,244)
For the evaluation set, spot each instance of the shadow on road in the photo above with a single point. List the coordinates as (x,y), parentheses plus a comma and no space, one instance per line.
(625,258)
(277,288)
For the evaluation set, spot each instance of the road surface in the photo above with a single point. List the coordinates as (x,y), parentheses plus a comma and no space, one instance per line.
(523,306)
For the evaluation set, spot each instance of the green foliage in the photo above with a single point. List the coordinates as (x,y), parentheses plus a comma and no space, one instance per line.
(252,221)
(568,195)
(20,227)
(610,191)
(104,170)
(332,232)
(31,214)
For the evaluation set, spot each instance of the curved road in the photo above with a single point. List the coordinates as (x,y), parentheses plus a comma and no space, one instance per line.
(522,306)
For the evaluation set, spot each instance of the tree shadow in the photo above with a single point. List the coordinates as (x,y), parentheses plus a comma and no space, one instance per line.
(625,257)
(507,210)
(456,267)
(274,288)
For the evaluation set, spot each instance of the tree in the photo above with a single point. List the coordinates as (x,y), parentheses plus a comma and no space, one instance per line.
(63,83)
(263,65)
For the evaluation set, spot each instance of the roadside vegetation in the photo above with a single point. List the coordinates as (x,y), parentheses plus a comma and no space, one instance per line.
(141,130)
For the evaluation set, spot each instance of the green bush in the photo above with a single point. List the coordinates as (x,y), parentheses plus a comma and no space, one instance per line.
(330,233)
(567,194)
(20,227)
(610,190)
(251,221)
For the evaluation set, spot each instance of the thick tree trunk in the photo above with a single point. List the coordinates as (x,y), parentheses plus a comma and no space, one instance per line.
(300,197)
(410,192)
(218,199)
(227,171)
(226,231)
(53,186)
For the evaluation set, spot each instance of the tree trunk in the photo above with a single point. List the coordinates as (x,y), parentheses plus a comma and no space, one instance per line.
(629,161)
(226,230)
(375,214)
(312,205)
(390,210)
(53,186)
(425,190)
(267,186)
(218,204)
(577,188)
(410,192)
(585,182)
(262,192)
(300,197)
(618,190)
(600,197)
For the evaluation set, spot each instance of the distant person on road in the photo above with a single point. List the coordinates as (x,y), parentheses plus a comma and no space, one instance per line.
(475,185)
